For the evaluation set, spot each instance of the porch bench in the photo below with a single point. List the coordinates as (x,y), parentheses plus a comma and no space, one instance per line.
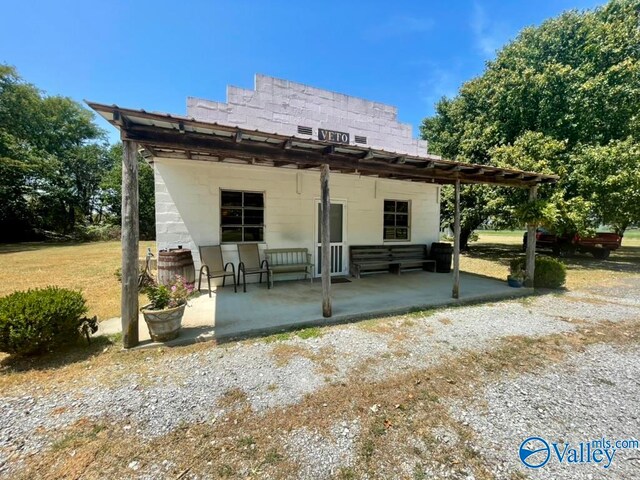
(290,260)
(408,256)
(390,258)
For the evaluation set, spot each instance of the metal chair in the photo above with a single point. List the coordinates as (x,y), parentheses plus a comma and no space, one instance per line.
(250,264)
(214,266)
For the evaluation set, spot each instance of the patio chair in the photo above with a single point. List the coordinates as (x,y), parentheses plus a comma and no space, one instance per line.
(214,267)
(250,264)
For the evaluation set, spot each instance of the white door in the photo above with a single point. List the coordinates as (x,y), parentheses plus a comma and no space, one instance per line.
(338,219)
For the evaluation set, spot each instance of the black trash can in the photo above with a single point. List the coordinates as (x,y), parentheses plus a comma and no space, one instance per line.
(442,253)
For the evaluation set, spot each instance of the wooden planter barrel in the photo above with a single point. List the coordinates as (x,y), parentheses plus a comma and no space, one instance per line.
(175,262)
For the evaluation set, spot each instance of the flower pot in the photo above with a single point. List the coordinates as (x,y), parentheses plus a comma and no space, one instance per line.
(165,324)
(514,282)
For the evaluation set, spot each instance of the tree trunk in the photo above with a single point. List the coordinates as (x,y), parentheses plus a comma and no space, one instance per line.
(465,234)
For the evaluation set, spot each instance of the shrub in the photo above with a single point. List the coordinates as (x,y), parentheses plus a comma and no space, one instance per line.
(39,320)
(97,233)
(550,273)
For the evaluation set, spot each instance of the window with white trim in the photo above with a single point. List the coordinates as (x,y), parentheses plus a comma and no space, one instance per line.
(241,216)
(396,220)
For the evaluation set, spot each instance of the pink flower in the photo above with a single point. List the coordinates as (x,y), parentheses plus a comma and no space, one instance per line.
(174,288)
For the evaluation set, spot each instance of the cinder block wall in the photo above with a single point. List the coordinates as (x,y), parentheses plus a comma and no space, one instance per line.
(279,106)
(188,205)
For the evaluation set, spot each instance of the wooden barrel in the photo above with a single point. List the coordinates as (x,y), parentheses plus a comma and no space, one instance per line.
(442,254)
(175,262)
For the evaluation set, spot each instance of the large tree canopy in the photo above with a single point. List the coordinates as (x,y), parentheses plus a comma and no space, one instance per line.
(54,162)
(561,97)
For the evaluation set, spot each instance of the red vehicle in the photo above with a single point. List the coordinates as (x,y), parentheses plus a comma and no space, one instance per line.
(600,245)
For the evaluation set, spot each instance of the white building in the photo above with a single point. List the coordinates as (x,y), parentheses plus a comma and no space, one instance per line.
(209,203)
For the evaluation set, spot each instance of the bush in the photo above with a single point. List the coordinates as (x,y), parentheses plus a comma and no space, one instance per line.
(550,273)
(39,320)
(97,233)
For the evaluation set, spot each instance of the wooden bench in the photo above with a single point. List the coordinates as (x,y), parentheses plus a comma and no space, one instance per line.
(388,258)
(289,260)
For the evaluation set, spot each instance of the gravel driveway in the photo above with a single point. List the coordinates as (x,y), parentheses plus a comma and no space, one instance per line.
(189,388)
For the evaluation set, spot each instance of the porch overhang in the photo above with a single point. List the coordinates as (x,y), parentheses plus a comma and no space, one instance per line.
(165,135)
(170,136)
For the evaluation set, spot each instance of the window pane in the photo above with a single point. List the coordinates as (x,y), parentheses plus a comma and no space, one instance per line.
(231,234)
(230,216)
(335,223)
(389,219)
(253,234)
(402,207)
(253,200)
(402,233)
(402,220)
(253,217)
(390,233)
(231,199)
(389,206)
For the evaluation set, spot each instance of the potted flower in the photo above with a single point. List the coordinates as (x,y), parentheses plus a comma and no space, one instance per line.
(164,314)
(516,278)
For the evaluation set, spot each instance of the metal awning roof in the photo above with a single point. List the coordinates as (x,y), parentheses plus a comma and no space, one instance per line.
(174,136)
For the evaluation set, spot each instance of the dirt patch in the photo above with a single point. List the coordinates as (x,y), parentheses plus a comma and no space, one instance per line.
(283,353)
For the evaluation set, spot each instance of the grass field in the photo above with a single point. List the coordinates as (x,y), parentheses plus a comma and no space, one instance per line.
(91,266)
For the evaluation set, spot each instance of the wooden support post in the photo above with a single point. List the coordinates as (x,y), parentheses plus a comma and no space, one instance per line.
(130,233)
(531,244)
(325,241)
(456,242)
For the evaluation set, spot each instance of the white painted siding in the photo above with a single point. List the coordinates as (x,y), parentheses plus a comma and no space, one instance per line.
(188,208)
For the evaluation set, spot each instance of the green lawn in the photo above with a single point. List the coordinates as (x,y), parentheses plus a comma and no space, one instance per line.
(89,267)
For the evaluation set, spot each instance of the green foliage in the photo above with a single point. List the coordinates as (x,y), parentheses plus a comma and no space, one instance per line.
(563,98)
(608,176)
(52,158)
(549,273)
(111,193)
(39,320)
(175,294)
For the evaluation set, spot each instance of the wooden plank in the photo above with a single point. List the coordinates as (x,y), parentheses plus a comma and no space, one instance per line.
(130,234)
(248,151)
(531,244)
(326,241)
(456,243)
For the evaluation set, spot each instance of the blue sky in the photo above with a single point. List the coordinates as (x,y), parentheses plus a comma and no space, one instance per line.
(153,54)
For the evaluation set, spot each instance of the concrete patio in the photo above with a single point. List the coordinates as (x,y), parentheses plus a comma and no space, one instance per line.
(295,304)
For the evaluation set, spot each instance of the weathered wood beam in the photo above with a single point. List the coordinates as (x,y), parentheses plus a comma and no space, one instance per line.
(530,268)
(367,155)
(456,242)
(130,234)
(329,150)
(312,159)
(325,240)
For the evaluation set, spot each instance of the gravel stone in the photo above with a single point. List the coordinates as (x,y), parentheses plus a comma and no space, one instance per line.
(187,388)
(592,395)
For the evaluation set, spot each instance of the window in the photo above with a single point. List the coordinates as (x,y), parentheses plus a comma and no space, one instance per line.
(396,220)
(241,216)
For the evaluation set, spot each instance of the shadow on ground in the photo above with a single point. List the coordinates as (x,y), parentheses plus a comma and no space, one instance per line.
(626,259)
(58,358)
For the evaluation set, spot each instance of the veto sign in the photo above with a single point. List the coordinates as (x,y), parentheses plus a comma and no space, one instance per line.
(332,136)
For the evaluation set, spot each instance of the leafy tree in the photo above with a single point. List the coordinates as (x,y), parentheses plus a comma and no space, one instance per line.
(111,196)
(609,177)
(52,159)
(574,82)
